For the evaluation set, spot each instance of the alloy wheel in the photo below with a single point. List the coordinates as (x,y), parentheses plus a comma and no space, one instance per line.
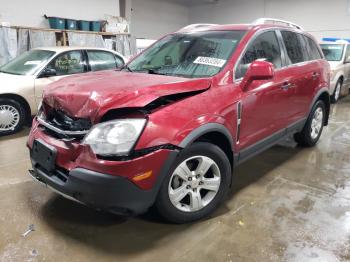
(337,91)
(194,183)
(316,123)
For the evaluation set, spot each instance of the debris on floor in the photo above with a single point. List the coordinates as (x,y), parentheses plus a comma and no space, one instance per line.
(30,229)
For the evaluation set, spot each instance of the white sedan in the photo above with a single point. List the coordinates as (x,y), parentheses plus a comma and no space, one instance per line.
(24,78)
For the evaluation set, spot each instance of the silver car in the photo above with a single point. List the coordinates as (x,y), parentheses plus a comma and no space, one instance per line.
(338,55)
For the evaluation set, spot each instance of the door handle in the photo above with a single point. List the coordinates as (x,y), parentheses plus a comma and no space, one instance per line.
(286,85)
(315,75)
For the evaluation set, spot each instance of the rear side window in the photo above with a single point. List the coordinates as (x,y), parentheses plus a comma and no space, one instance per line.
(294,47)
(101,60)
(264,47)
(312,48)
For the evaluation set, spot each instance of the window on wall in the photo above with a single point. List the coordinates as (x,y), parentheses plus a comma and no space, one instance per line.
(294,47)
(265,47)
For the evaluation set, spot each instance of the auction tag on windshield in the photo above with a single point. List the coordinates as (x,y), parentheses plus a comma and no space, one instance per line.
(211,61)
(32,63)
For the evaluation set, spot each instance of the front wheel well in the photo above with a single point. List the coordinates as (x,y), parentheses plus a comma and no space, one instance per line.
(219,140)
(20,100)
(341,78)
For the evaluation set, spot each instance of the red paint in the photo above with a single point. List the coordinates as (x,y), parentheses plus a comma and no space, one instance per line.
(266,107)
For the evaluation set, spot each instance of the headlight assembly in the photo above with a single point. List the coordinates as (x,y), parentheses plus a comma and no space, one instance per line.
(115,137)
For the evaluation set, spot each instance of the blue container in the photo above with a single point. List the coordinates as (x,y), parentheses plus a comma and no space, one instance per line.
(71,24)
(83,25)
(57,22)
(95,26)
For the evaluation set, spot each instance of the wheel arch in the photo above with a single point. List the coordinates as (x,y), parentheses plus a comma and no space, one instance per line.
(323,95)
(214,133)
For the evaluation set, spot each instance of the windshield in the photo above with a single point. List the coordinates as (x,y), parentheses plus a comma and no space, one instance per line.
(200,54)
(333,52)
(27,63)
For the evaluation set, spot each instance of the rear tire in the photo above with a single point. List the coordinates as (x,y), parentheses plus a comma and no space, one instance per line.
(312,130)
(12,116)
(190,193)
(337,91)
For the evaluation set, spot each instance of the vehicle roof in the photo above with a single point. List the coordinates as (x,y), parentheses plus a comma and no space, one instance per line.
(60,49)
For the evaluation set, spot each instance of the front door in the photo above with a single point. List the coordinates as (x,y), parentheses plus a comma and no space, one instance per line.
(67,63)
(264,103)
(346,83)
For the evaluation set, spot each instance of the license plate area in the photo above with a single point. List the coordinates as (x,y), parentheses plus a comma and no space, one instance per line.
(44,155)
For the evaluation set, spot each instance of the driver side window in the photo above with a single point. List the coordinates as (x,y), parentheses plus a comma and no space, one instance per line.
(265,47)
(68,63)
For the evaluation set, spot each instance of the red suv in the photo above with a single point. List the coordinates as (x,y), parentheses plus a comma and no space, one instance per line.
(169,128)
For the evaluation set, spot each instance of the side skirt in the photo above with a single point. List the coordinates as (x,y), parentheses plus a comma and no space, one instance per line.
(268,142)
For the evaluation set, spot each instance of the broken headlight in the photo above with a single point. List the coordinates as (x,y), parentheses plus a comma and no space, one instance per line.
(115,137)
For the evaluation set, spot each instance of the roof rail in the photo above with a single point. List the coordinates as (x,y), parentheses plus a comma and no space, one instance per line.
(195,26)
(276,21)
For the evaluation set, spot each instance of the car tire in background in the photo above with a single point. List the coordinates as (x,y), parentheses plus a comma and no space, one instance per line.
(12,116)
(312,130)
(337,91)
(197,183)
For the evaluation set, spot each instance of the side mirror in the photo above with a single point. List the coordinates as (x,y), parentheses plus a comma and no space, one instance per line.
(48,72)
(258,70)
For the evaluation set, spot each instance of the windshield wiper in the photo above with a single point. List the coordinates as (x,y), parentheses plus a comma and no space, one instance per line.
(127,68)
(154,72)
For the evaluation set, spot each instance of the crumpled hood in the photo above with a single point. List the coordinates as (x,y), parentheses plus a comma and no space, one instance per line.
(92,95)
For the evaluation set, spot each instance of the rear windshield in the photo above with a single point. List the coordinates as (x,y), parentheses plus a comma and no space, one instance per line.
(199,54)
(333,52)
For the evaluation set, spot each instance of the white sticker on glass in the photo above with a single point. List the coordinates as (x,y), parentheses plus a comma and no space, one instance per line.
(32,63)
(211,61)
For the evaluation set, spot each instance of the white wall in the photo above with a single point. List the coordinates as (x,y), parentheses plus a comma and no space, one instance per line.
(30,12)
(320,17)
(154,18)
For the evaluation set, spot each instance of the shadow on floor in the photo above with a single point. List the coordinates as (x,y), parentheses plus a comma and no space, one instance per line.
(24,132)
(120,235)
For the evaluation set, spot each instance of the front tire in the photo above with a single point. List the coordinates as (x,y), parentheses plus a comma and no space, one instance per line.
(12,116)
(197,183)
(313,128)
(337,91)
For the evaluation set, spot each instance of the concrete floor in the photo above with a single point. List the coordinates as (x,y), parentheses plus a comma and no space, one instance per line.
(288,204)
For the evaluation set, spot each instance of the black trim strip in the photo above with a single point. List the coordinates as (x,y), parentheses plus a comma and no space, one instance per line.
(268,142)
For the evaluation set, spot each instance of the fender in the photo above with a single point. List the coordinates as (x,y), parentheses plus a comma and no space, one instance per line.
(205,129)
(316,97)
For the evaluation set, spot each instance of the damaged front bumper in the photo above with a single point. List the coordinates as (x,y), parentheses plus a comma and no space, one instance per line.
(103,184)
(104,192)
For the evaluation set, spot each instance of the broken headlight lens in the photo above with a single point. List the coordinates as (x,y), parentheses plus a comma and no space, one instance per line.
(115,137)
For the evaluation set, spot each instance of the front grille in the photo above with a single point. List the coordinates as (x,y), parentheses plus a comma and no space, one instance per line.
(58,124)
(61,173)
(62,121)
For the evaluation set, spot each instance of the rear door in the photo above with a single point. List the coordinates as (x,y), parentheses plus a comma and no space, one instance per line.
(103,60)
(264,106)
(303,71)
